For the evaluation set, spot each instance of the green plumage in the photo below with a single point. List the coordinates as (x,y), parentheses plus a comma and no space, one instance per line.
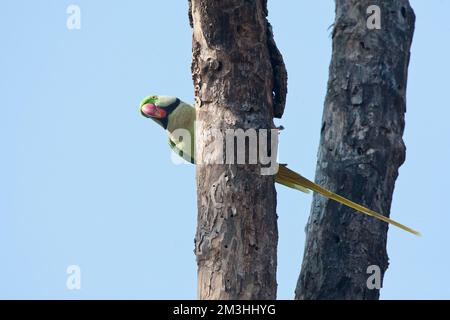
(183,117)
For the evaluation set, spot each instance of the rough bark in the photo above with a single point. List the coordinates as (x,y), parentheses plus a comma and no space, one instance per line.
(361,149)
(234,81)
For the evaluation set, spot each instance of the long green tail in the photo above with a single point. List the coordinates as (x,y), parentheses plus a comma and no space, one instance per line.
(292,179)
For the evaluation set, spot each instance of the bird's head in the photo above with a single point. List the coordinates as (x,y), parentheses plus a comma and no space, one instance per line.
(159,108)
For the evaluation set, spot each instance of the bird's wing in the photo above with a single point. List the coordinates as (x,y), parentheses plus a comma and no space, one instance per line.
(180,152)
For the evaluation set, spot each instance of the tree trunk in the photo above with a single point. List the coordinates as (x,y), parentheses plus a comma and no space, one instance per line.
(235,81)
(361,149)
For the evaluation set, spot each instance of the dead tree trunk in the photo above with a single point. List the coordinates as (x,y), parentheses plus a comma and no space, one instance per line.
(239,83)
(361,148)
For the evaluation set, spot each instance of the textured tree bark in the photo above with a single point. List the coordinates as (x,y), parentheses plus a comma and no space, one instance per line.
(236,88)
(361,149)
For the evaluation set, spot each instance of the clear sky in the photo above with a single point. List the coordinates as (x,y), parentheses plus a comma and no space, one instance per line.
(85,180)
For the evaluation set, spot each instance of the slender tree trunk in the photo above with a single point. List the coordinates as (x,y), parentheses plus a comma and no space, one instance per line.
(234,77)
(361,149)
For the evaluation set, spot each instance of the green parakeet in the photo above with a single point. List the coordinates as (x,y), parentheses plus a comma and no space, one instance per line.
(172,114)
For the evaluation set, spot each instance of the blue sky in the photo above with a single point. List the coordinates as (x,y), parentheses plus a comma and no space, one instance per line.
(84,180)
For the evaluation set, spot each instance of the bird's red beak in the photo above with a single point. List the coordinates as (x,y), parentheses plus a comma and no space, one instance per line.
(149,110)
